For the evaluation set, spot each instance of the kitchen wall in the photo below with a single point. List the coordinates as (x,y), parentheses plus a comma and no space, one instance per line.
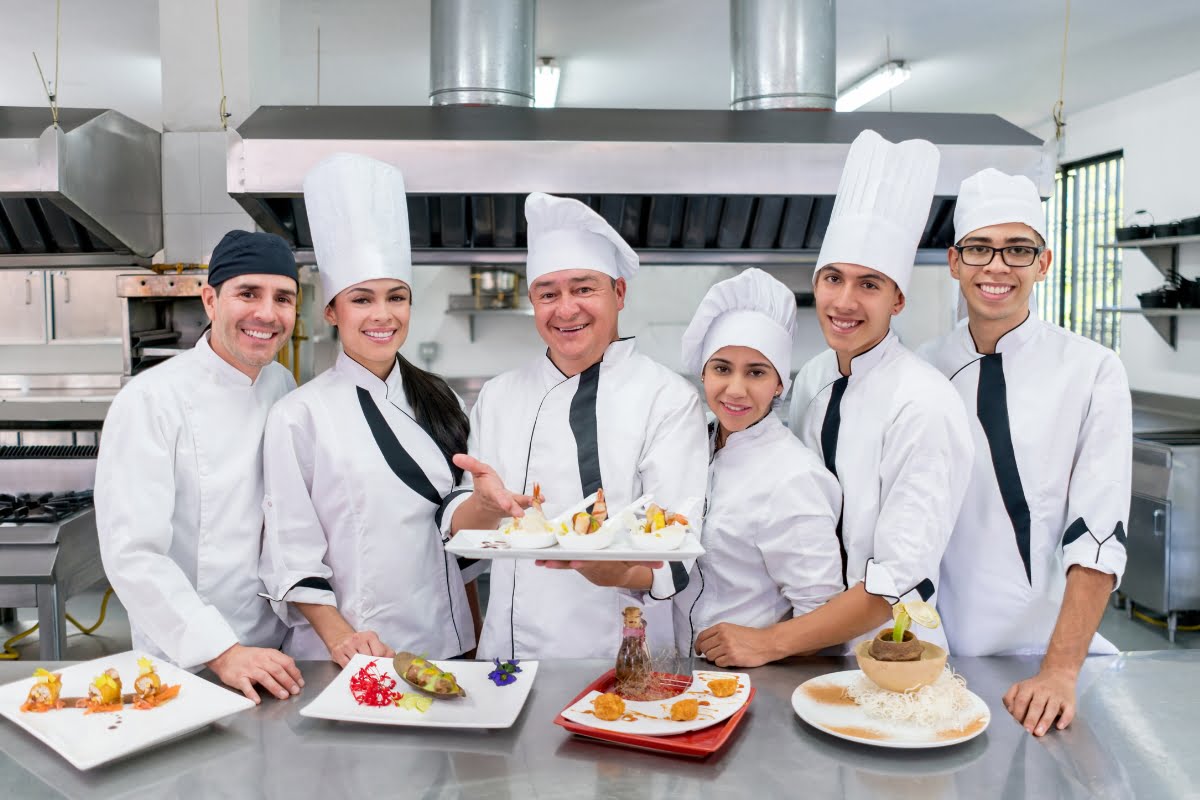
(1156,129)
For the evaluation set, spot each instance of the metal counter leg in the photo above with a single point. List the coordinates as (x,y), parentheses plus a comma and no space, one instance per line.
(52,624)
(1172,625)
(8,616)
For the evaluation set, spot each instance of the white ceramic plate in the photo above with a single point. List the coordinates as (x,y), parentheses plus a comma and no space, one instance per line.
(817,702)
(658,721)
(485,706)
(492,544)
(94,739)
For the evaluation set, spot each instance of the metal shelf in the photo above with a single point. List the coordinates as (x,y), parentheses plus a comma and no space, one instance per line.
(1163,320)
(1163,251)
(463,306)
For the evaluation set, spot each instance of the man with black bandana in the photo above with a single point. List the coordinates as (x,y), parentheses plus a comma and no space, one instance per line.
(179,480)
(590,412)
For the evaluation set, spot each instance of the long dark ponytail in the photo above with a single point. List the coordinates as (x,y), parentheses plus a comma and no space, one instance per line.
(437,411)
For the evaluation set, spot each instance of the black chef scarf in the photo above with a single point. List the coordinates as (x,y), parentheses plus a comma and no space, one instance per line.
(246,253)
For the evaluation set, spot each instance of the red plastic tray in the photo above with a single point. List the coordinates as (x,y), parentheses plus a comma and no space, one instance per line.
(695,744)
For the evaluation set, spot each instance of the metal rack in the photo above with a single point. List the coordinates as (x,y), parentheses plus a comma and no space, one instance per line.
(1163,253)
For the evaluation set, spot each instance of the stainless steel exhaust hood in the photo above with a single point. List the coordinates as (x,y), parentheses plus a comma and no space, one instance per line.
(87,193)
(683,187)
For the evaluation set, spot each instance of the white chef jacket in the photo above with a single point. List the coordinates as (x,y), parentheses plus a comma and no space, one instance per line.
(179,505)
(771,552)
(1051,415)
(627,424)
(901,448)
(357,497)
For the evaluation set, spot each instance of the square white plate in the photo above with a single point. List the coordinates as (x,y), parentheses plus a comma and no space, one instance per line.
(485,706)
(94,739)
(653,717)
(491,544)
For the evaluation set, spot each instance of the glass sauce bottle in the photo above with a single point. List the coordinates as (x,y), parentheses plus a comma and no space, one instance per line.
(634,668)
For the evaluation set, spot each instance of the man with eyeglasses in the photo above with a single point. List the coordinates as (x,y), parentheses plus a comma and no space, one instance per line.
(1040,541)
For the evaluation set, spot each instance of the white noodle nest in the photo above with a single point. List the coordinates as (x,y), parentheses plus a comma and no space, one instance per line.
(940,702)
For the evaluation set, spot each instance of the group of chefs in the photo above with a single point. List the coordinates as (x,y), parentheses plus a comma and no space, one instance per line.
(246,523)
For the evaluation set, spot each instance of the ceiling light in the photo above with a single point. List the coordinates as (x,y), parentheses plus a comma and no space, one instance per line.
(877,84)
(546,74)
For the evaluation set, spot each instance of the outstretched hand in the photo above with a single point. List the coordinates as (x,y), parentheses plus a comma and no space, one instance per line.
(489,491)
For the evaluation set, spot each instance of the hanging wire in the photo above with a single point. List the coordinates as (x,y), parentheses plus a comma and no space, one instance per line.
(221,68)
(318,65)
(52,94)
(1060,122)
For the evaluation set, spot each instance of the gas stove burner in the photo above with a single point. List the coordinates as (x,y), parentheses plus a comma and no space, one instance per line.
(48,507)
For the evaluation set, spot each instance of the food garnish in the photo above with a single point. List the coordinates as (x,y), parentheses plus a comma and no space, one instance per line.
(373,688)
(505,672)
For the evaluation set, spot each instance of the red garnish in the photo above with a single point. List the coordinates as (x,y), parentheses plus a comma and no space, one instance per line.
(370,687)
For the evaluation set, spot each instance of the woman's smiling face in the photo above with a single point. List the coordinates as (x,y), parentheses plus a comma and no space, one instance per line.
(372,320)
(740,385)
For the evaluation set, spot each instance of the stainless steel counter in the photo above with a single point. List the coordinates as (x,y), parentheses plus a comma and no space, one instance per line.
(1136,737)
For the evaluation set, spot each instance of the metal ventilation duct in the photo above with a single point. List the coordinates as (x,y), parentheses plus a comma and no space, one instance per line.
(481,52)
(87,193)
(683,187)
(784,54)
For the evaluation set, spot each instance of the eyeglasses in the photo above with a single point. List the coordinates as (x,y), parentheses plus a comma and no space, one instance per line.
(980,255)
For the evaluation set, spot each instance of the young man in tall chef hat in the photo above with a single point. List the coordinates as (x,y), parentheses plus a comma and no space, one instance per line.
(884,422)
(179,485)
(589,413)
(1040,542)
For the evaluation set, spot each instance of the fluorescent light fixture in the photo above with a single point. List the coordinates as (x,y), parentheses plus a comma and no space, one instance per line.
(546,74)
(877,84)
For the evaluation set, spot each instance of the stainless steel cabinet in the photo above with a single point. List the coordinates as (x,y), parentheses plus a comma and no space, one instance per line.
(22,307)
(84,306)
(1148,565)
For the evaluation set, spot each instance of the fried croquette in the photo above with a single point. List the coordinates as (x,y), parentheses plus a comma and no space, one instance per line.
(723,687)
(608,707)
(685,710)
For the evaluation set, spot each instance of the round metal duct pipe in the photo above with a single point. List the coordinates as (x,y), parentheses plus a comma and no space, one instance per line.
(481,52)
(784,54)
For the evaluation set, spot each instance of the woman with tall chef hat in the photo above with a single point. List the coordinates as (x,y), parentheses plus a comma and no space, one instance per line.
(771,549)
(363,483)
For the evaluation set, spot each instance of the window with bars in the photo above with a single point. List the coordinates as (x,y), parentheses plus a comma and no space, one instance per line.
(1082,216)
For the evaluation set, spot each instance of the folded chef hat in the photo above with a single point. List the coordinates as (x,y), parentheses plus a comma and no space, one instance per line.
(567,234)
(882,206)
(991,197)
(358,215)
(748,310)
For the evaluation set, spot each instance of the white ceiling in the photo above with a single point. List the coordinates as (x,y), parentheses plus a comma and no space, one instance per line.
(999,57)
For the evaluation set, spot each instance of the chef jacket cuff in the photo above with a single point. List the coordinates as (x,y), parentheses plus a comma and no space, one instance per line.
(445,513)
(880,582)
(669,580)
(1103,554)
(204,639)
(314,591)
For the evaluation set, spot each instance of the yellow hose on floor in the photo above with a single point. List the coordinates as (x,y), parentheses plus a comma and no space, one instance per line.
(10,654)
(1162,624)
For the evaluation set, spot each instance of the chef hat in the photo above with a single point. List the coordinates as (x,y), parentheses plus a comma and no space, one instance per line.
(567,234)
(991,197)
(358,215)
(882,206)
(748,310)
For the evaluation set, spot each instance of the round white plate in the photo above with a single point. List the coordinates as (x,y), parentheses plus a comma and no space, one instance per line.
(658,721)
(819,702)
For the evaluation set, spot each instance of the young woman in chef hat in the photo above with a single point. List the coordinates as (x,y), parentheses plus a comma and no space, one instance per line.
(771,551)
(362,480)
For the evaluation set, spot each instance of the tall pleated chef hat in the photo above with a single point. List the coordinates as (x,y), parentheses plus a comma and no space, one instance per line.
(992,197)
(567,234)
(882,206)
(358,215)
(748,310)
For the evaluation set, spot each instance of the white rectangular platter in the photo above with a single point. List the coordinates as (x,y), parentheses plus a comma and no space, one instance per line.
(485,706)
(491,544)
(89,740)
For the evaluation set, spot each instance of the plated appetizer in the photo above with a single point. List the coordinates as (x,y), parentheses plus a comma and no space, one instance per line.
(532,531)
(588,529)
(660,529)
(423,675)
(44,694)
(104,694)
(148,689)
